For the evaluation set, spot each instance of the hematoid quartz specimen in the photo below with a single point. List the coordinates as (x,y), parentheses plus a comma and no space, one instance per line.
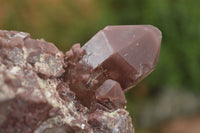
(43,90)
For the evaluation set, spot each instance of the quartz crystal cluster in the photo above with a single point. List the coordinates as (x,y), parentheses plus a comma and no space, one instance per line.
(43,90)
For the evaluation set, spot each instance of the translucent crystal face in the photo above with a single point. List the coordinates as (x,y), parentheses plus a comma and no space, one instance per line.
(127,53)
(111,92)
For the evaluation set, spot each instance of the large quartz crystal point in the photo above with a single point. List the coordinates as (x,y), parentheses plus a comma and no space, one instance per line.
(126,54)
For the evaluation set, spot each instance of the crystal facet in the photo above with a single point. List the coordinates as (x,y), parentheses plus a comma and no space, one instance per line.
(126,53)
(110,94)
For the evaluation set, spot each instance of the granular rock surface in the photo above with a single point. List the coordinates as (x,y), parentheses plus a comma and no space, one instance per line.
(36,96)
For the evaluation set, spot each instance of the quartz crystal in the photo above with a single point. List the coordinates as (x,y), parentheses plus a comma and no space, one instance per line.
(126,53)
(111,95)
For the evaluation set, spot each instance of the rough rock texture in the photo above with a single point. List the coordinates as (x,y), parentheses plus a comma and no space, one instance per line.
(43,90)
(35,96)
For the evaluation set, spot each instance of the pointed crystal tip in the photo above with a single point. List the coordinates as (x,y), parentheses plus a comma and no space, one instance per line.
(127,53)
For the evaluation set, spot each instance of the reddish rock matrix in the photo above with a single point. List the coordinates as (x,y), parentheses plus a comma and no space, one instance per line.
(43,90)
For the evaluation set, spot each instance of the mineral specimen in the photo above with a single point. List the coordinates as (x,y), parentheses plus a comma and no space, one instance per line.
(126,53)
(43,90)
